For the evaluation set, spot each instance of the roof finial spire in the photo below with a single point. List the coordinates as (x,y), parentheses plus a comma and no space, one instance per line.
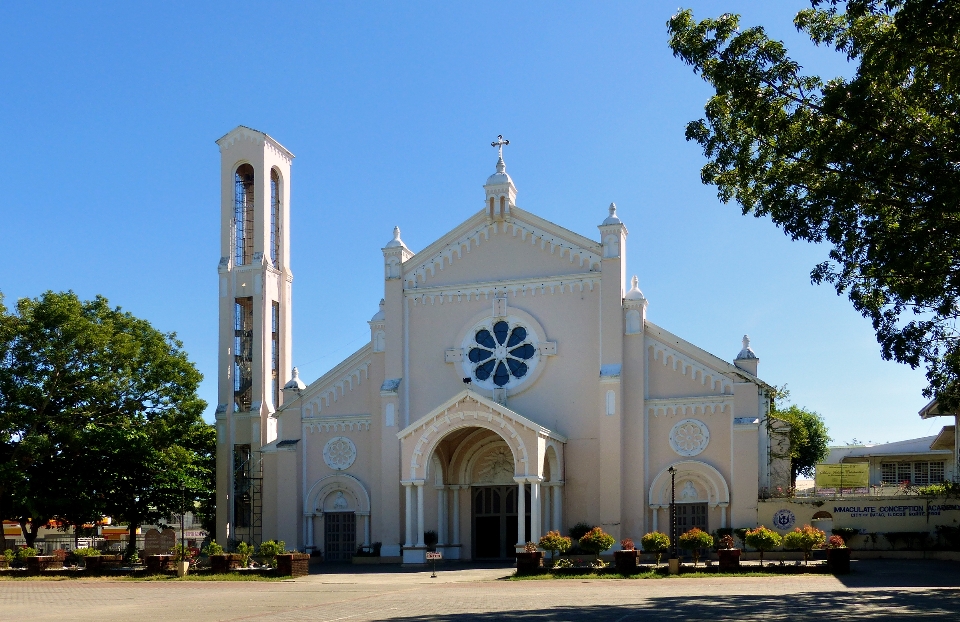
(499,143)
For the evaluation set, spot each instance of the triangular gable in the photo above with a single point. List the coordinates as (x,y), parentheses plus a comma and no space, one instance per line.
(478,229)
(699,355)
(500,409)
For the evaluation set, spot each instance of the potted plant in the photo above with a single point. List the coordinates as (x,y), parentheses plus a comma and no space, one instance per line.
(762,539)
(806,539)
(596,541)
(529,560)
(89,556)
(555,543)
(220,561)
(656,543)
(728,554)
(182,556)
(626,558)
(243,552)
(6,560)
(269,550)
(838,555)
(693,541)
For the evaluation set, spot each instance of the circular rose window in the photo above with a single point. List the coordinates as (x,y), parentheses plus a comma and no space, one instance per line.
(689,437)
(500,353)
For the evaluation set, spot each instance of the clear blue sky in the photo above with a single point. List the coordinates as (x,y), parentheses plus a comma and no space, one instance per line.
(109,114)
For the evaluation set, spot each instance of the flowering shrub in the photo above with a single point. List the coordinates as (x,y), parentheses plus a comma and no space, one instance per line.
(563,563)
(806,539)
(726,542)
(693,541)
(529,547)
(655,542)
(762,539)
(599,564)
(627,544)
(213,548)
(270,549)
(836,542)
(555,543)
(60,555)
(596,541)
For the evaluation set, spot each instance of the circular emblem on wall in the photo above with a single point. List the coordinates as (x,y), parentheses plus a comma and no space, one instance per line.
(339,453)
(784,520)
(500,353)
(689,437)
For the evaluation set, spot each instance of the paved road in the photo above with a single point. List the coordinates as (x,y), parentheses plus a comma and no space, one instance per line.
(887,590)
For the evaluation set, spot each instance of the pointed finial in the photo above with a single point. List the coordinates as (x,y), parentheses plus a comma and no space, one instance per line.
(612,219)
(296,374)
(747,352)
(634,282)
(396,234)
(634,293)
(613,210)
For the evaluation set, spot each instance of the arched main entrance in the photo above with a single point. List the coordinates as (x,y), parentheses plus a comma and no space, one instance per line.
(476,469)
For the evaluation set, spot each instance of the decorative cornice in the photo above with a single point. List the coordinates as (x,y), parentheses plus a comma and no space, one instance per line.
(518,287)
(688,405)
(337,424)
(258,138)
(683,363)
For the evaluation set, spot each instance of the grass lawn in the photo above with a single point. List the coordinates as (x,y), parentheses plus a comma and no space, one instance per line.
(9,576)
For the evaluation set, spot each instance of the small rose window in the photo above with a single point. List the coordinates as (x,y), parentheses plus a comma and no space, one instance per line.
(502,353)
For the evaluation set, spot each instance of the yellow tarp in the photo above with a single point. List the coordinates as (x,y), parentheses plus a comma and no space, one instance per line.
(855,475)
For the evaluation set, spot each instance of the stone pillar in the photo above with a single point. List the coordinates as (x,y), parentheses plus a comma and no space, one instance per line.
(534,509)
(442,515)
(456,514)
(656,512)
(723,515)
(521,511)
(558,507)
(366,529)
(308,520)
(419,485)
(408,541)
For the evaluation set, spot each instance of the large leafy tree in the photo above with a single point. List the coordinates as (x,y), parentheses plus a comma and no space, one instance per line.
(869,165)
(99,415)
(809,440)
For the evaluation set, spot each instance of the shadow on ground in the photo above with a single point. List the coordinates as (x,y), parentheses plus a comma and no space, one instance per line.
(887,605)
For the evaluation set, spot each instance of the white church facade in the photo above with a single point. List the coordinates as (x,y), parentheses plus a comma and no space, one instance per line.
(512,384)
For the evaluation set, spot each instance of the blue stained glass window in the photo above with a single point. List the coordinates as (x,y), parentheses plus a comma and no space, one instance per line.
(517,368)
(500,329)
(479,354)
(501,376)
(484,338)
(526,351)
(517,336)
(502,353)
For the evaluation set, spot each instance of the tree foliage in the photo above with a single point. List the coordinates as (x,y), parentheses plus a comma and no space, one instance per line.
(99,415)
(809,440)
(869,165)
(763,540)
(806,539)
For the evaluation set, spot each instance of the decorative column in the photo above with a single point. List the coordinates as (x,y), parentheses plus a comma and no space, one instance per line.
(656,512)
(419,485)
(366,529)
(442,515)
(558,507)
(723,515)
(456,513)
(546,505)
(534,510)
(521,511)
(408,541)
(308,524)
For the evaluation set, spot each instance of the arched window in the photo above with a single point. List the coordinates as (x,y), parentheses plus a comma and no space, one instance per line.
(276,198)
(243,215)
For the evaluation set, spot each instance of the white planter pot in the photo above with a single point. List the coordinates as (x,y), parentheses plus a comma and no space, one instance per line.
(182,568)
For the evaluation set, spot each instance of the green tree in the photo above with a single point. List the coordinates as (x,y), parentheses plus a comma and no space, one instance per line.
(596,541)
(555,543)
(866,164)
(809,440)
(655,542)
(763,540)
(98,415)
(806,539)
(694,541)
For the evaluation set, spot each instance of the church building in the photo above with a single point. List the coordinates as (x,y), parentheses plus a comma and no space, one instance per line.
(512,385)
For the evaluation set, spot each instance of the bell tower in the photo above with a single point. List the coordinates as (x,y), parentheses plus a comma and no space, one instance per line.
(254,329)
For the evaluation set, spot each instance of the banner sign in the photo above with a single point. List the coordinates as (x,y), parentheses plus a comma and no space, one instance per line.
(850,475)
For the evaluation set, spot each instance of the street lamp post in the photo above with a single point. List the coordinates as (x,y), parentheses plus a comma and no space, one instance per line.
(673,512)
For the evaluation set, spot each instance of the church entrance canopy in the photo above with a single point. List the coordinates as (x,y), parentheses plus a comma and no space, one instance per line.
(469,442)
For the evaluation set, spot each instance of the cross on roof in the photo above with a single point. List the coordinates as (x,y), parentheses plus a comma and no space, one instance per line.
(499,143)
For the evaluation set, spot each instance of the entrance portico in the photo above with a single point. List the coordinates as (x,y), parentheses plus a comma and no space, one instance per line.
(474,450)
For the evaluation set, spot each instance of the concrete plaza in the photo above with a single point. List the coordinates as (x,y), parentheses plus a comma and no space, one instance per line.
(879,589)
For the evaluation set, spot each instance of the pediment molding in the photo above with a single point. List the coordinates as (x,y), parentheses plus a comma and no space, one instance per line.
(336,383)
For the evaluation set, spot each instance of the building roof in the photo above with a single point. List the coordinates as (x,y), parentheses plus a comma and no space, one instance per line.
(909,447)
